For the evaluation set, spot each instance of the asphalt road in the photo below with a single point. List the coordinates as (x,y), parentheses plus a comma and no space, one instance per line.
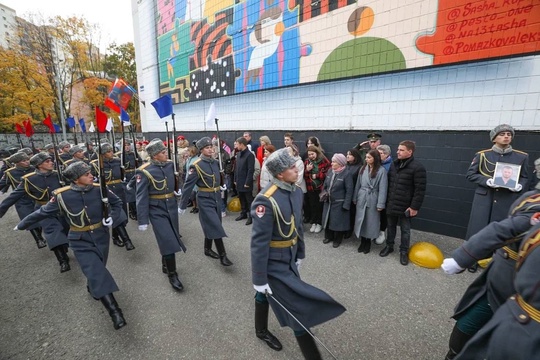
(393,311)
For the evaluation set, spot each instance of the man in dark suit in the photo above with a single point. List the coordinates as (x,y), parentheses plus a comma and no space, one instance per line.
(243,178)
(506,178)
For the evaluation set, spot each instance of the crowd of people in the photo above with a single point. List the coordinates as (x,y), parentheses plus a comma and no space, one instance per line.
(71,197)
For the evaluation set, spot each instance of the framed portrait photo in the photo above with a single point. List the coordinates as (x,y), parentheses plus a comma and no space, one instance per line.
(506,175)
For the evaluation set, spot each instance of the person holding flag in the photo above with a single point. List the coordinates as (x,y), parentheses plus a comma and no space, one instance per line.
(80,205)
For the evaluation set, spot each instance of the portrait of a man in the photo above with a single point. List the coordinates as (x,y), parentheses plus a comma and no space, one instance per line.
(506,175)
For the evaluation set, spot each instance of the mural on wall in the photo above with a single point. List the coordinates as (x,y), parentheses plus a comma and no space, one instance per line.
(214,48)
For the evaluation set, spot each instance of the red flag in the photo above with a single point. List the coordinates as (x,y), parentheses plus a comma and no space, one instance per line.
(19,129)
(49,124)
(101,120)
(29,130)
(121,94)
(111,105)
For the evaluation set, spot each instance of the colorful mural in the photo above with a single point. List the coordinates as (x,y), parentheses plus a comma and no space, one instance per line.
(214,48)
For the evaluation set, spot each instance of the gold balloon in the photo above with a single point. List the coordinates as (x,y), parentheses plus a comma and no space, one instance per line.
(234,205)
(426,255)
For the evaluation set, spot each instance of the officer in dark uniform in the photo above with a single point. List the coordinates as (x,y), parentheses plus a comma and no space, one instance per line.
(90,154)
(373,140)
(495,284)
(277,250)
(130,165)
(156,203)
(12,178)
(113,176)
(81,205)
(491,202)
(204,172)
(63,148)
(514,331)
(39,186)
(77,154)
(49,149)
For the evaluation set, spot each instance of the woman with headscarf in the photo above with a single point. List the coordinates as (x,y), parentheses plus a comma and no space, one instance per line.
(370,199)
(315,170)
(339,188)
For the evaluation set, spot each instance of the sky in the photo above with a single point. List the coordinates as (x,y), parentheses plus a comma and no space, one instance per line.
(113,16)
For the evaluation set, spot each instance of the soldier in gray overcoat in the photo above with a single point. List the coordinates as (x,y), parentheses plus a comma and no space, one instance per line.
(339,188)
(130,165)
(156,203)
(277,250)
(204,172)
(370,199)
(113,176)
(12,178)
(495,284)
(39,186)
(514,330)
(81,205)
(491,202)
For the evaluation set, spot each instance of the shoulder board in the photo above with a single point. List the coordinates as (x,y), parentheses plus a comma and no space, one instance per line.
(196,161)
(143,166)
(9,170)
(61,190)
(28,175)
(97,185)
(94,161)
(521,152)
(483,151)
(271,190)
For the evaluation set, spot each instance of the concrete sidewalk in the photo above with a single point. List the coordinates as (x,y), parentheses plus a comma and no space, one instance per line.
(393,311)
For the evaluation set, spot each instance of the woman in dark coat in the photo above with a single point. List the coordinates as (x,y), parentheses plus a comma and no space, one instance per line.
(354,163)
(339,189)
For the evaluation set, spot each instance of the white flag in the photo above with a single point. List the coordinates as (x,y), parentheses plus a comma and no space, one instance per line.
(109,125)
(211,115)
(92,128)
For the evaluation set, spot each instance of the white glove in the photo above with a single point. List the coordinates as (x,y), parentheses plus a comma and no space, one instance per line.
(517,189)
(491,184)
(263,288)
(298,263)
(451,267)
(535,219)
(16,228)
(223,188)
(143,227)
(107,222)
(178,193)
(181,211)
(128,187)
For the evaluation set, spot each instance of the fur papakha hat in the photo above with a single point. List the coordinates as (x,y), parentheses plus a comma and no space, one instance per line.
(105,148)
(279,161)
(203,142)
(39,158)
(18,156)
(155,147)
(76,170)
(75,149)
(499,129)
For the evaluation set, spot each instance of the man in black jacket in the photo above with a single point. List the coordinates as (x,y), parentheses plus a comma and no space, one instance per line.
(406,190)
(243,178)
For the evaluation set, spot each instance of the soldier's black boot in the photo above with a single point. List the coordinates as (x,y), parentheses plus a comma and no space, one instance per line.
(132,211)
(261,326)
(122,232)
(222,254)
(114,311)
(170,262)
(40,241)
(208,249)
(308,347)
(163,265)
(457,342)
(116,239)
(62,258)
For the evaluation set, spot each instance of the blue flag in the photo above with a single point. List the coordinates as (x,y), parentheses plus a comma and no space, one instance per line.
(124,116)
(71,122)
(163,106)
(57,128)
(82,125)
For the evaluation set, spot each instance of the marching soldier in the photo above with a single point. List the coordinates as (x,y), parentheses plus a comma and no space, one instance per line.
(77,154)
(63,148)
(12,178)
(277,250)
(495,284)
(156,203)
(204,172)
(113,175)
(130,165)
(39,186)
(90,154)
(81,205)
(514,330)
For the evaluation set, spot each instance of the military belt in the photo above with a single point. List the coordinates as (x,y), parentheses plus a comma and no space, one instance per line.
(529,309)
(283,243)
(86,228)
(129,170)
(114,182)
(162,196)
(205,189)
(509,253)
(41,202)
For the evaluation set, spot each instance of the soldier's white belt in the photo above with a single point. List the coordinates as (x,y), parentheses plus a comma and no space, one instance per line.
(205,189)
(529,309)
(283,243)
(162,196)
(114,182)
(509,253)
(86,228)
